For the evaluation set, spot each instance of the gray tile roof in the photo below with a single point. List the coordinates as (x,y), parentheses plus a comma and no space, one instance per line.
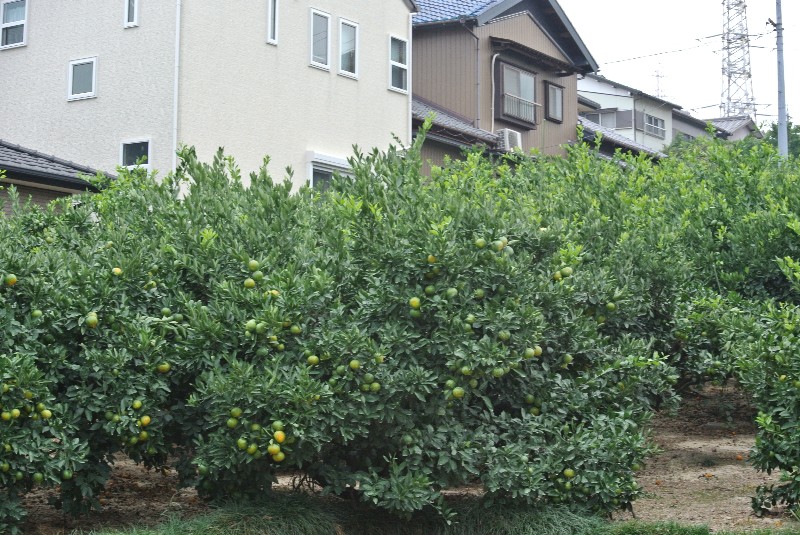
(732,124)
(444,10)
(41,167)
(420,109)
(592,128)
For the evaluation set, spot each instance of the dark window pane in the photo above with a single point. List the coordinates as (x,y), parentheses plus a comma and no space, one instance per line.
(132,152)
(12,35)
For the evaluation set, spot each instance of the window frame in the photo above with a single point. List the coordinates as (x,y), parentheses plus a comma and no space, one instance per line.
(500,93)
(72,64)
(404,66)
(147,165)
(354,25)
(312,61)
(654,129)
(548,86)
(23,23)
(272,22)
(126,23)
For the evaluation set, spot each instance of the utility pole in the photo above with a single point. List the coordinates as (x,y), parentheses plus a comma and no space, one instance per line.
(783,132)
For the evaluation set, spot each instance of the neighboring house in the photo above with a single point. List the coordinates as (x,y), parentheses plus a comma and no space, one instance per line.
(40,177)
(736,128)
(506,68)
(106,82)
(686,127)
(610,140)
(631,113)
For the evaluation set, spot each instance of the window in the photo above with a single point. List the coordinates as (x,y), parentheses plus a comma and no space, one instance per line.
(517,95)
(321,179)
(399,64)
(135,151)
(131,13)
(320,44)
(82,79)
(348,48)
(272,22)
(655,126)
(607,119)
(554,104)
(13,22)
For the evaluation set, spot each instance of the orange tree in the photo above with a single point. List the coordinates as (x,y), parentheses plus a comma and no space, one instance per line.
(391,338)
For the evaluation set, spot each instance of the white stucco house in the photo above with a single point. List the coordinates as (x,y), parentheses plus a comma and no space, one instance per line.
(642,118)
(104,82)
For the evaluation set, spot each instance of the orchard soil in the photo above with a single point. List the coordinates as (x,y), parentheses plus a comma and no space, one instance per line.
(701,476)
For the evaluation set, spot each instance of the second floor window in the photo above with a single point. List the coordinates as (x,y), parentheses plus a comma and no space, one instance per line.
(131,13)
(518,96)
(320,42)
(13,23)
(82,79)
(555,102)
(136,153)
(399,64)
(655,126)
(348,48)
(607,119)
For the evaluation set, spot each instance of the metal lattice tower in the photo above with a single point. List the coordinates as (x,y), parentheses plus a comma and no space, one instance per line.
(737,81)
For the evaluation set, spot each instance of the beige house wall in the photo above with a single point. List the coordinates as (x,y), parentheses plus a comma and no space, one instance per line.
(134,82)
(257,99)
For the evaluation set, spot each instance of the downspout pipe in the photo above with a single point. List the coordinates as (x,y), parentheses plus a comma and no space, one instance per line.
(175,84)
(477,72)
(494,59)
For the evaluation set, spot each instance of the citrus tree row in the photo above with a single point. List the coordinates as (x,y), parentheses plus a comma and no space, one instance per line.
(392,338)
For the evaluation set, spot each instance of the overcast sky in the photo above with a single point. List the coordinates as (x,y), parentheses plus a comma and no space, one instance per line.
(691,78)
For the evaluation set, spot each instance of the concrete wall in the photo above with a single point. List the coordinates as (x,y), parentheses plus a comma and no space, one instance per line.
(134,82)
(256,99)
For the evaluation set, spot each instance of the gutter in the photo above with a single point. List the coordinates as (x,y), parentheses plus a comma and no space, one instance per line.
(175,84)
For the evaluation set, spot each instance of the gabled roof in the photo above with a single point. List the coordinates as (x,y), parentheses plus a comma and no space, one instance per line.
(548,13)
(729,125)
(449,124)
(632,91)
(592,129)
(30,165)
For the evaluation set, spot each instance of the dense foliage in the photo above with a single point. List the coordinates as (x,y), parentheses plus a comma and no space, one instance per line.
(509,322)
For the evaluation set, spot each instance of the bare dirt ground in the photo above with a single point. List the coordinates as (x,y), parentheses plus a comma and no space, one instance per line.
(701,477)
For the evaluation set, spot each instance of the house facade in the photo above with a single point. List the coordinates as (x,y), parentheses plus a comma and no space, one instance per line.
(507,67)
(106,82)
(631,113)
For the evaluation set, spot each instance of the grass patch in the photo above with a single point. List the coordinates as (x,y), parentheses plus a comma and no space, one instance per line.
(297,514)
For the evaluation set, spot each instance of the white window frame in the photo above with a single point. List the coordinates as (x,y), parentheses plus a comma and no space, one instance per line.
(326,164)
(128,23)
(312,62)
(354,25)
(272,22)
(148,165)
(403,66)
(88,94)
(23,23)
(653,128)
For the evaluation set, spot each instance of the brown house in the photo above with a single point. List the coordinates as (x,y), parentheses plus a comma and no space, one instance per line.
(505,67)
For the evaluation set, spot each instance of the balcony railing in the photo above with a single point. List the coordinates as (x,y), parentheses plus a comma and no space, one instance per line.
(519,108)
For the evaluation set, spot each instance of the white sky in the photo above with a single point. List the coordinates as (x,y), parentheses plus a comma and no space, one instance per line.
(623,29)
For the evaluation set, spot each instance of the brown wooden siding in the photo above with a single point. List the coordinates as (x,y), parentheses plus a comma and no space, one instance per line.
(522,29)
(38,196)
(444,68)
(434,152)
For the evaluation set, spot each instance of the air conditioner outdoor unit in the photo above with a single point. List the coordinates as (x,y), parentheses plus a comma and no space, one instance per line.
(510,139)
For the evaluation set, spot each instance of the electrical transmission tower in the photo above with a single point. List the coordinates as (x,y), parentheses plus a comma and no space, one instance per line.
(737,81)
